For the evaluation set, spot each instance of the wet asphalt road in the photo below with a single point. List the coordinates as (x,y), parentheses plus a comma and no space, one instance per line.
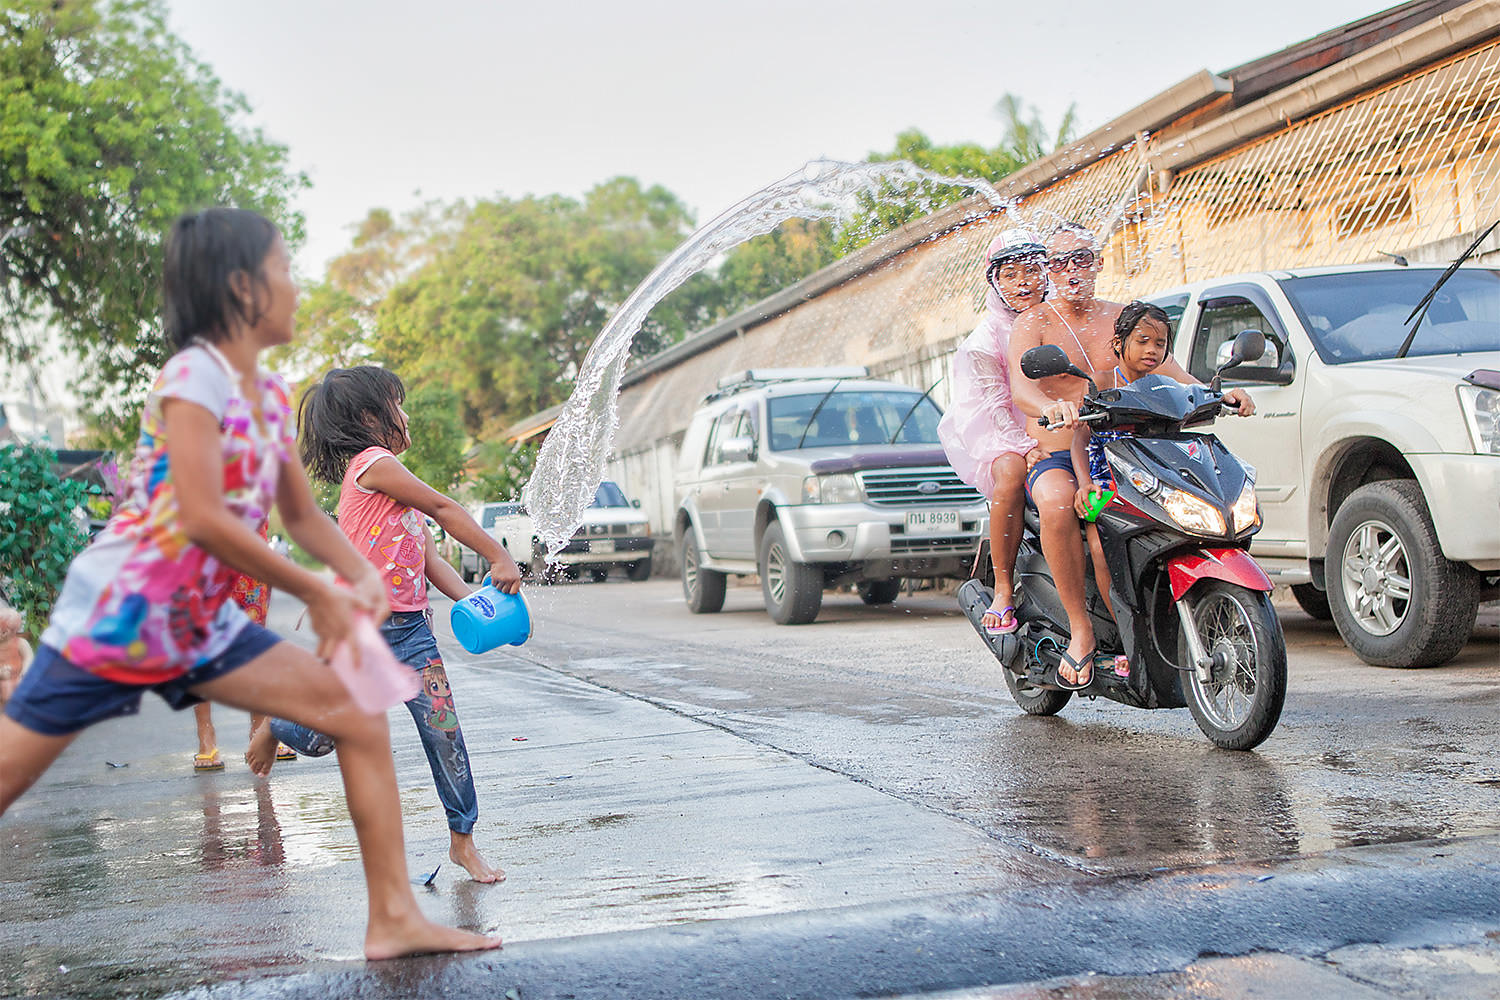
(856,804)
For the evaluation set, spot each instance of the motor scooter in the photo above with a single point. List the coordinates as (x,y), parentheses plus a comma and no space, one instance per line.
(1198,626)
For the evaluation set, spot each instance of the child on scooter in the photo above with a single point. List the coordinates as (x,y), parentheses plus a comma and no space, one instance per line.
(1142,332)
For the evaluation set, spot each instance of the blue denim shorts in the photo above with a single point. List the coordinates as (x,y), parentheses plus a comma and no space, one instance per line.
(1056,460)
(56,698)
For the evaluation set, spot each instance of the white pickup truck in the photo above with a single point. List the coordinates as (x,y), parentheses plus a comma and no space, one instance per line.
(614,533)
(1377,448)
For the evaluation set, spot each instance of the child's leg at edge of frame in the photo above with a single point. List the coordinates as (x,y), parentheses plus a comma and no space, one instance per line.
(285,682)
(1101,568)
(24,757)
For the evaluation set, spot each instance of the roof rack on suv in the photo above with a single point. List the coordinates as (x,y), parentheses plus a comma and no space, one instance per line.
(740,381)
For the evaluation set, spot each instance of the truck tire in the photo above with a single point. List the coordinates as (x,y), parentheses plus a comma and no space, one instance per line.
(793,590)
(639,570)
(599,574)
(879,591)
(703,589)
(1313,601)
(1395,599)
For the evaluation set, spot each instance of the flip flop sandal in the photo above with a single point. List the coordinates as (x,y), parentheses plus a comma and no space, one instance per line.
(1008,611)
(284,752)
(1077,665)
(208,761)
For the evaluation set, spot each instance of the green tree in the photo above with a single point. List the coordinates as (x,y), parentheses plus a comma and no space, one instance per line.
(41,529)
(109,128)
(766,264)
(1023,140)
(505,311)
(436,455)
(499,469)
(337,315)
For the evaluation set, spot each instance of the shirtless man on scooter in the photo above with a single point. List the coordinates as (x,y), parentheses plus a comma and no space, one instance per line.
(1082,325)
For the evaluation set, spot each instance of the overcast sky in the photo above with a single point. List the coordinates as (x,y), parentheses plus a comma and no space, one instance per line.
(385,103)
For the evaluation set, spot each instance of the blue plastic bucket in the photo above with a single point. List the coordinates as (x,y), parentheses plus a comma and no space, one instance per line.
(489,618)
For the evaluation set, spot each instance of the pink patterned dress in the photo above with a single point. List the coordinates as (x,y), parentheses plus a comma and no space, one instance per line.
(142,604)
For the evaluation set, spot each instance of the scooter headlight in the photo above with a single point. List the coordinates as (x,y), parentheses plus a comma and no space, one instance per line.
(1191,513)
(1144,482)
(1246,511)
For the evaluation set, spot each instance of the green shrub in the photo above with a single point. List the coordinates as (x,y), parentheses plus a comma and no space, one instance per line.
(40,529)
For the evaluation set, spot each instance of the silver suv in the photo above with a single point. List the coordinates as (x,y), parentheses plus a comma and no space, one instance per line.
(814,478)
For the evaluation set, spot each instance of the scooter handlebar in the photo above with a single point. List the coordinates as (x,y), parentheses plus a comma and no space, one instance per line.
(1083,418)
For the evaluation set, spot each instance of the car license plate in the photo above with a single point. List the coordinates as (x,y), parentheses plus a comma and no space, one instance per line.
(602,545)
(931,522)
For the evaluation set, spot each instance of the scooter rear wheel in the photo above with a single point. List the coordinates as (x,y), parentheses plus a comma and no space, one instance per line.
(1240,703)
(1035,700)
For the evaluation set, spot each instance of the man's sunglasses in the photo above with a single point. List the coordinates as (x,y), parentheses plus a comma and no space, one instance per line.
(1079,259)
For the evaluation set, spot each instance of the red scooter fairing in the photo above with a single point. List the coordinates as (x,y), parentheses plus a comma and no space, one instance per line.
(1229,565)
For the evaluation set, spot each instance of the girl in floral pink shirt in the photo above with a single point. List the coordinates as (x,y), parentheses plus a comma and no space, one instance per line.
(147,605)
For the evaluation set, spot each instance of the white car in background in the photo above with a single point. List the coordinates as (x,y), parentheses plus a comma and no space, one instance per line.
(614,534)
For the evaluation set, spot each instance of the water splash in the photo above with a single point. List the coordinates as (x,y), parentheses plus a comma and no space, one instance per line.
(571,463)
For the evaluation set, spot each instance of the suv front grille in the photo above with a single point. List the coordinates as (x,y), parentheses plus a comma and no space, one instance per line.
(899,488)
(920,545)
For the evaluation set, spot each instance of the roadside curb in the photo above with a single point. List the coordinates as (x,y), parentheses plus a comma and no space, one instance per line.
(1409,895)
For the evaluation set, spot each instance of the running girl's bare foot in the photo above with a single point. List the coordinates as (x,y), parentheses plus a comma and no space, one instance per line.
(416,935)
(261,754)
(462,852)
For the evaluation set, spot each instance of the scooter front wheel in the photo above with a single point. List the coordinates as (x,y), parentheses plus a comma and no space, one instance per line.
(1240,702)
(1035,700)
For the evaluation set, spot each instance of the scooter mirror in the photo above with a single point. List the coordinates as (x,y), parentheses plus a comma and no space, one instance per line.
(1046,361)
(1248,346)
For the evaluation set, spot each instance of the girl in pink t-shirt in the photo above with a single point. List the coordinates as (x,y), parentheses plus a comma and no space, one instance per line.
(148,606)
(353,428)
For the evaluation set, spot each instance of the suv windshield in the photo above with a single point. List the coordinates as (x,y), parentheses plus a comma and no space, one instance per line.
(609,495)
(1361,316)
(852,418)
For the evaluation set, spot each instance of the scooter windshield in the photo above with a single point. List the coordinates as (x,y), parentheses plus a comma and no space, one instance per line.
(1158,398)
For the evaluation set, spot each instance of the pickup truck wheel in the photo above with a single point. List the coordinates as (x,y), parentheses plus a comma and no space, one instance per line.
(1395,599)
(1313,601)
(599,574)
(793,590)
(639,570)
(879,591)
(702,588)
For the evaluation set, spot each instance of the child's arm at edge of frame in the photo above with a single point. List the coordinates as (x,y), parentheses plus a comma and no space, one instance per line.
(396,481)
(441,575)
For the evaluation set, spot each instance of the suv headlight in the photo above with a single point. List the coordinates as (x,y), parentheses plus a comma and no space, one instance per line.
(1482,413)
(839,488)
(1246,511)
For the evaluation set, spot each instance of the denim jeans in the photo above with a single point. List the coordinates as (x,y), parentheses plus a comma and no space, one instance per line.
(409,634)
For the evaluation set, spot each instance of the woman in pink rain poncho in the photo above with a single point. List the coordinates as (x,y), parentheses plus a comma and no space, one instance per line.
(982,432)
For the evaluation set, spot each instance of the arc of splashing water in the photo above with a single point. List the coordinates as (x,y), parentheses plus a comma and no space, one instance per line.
(571,464)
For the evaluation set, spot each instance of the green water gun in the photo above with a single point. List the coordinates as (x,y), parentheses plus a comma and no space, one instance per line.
(1100,498)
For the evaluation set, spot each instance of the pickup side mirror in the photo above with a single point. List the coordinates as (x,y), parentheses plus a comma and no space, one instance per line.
(1048,360)
(636,504)
(738,449)
(1271,357)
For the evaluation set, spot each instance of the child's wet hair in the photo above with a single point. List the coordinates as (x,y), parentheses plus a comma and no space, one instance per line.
(1131,316)
(350,410)
(204,250)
